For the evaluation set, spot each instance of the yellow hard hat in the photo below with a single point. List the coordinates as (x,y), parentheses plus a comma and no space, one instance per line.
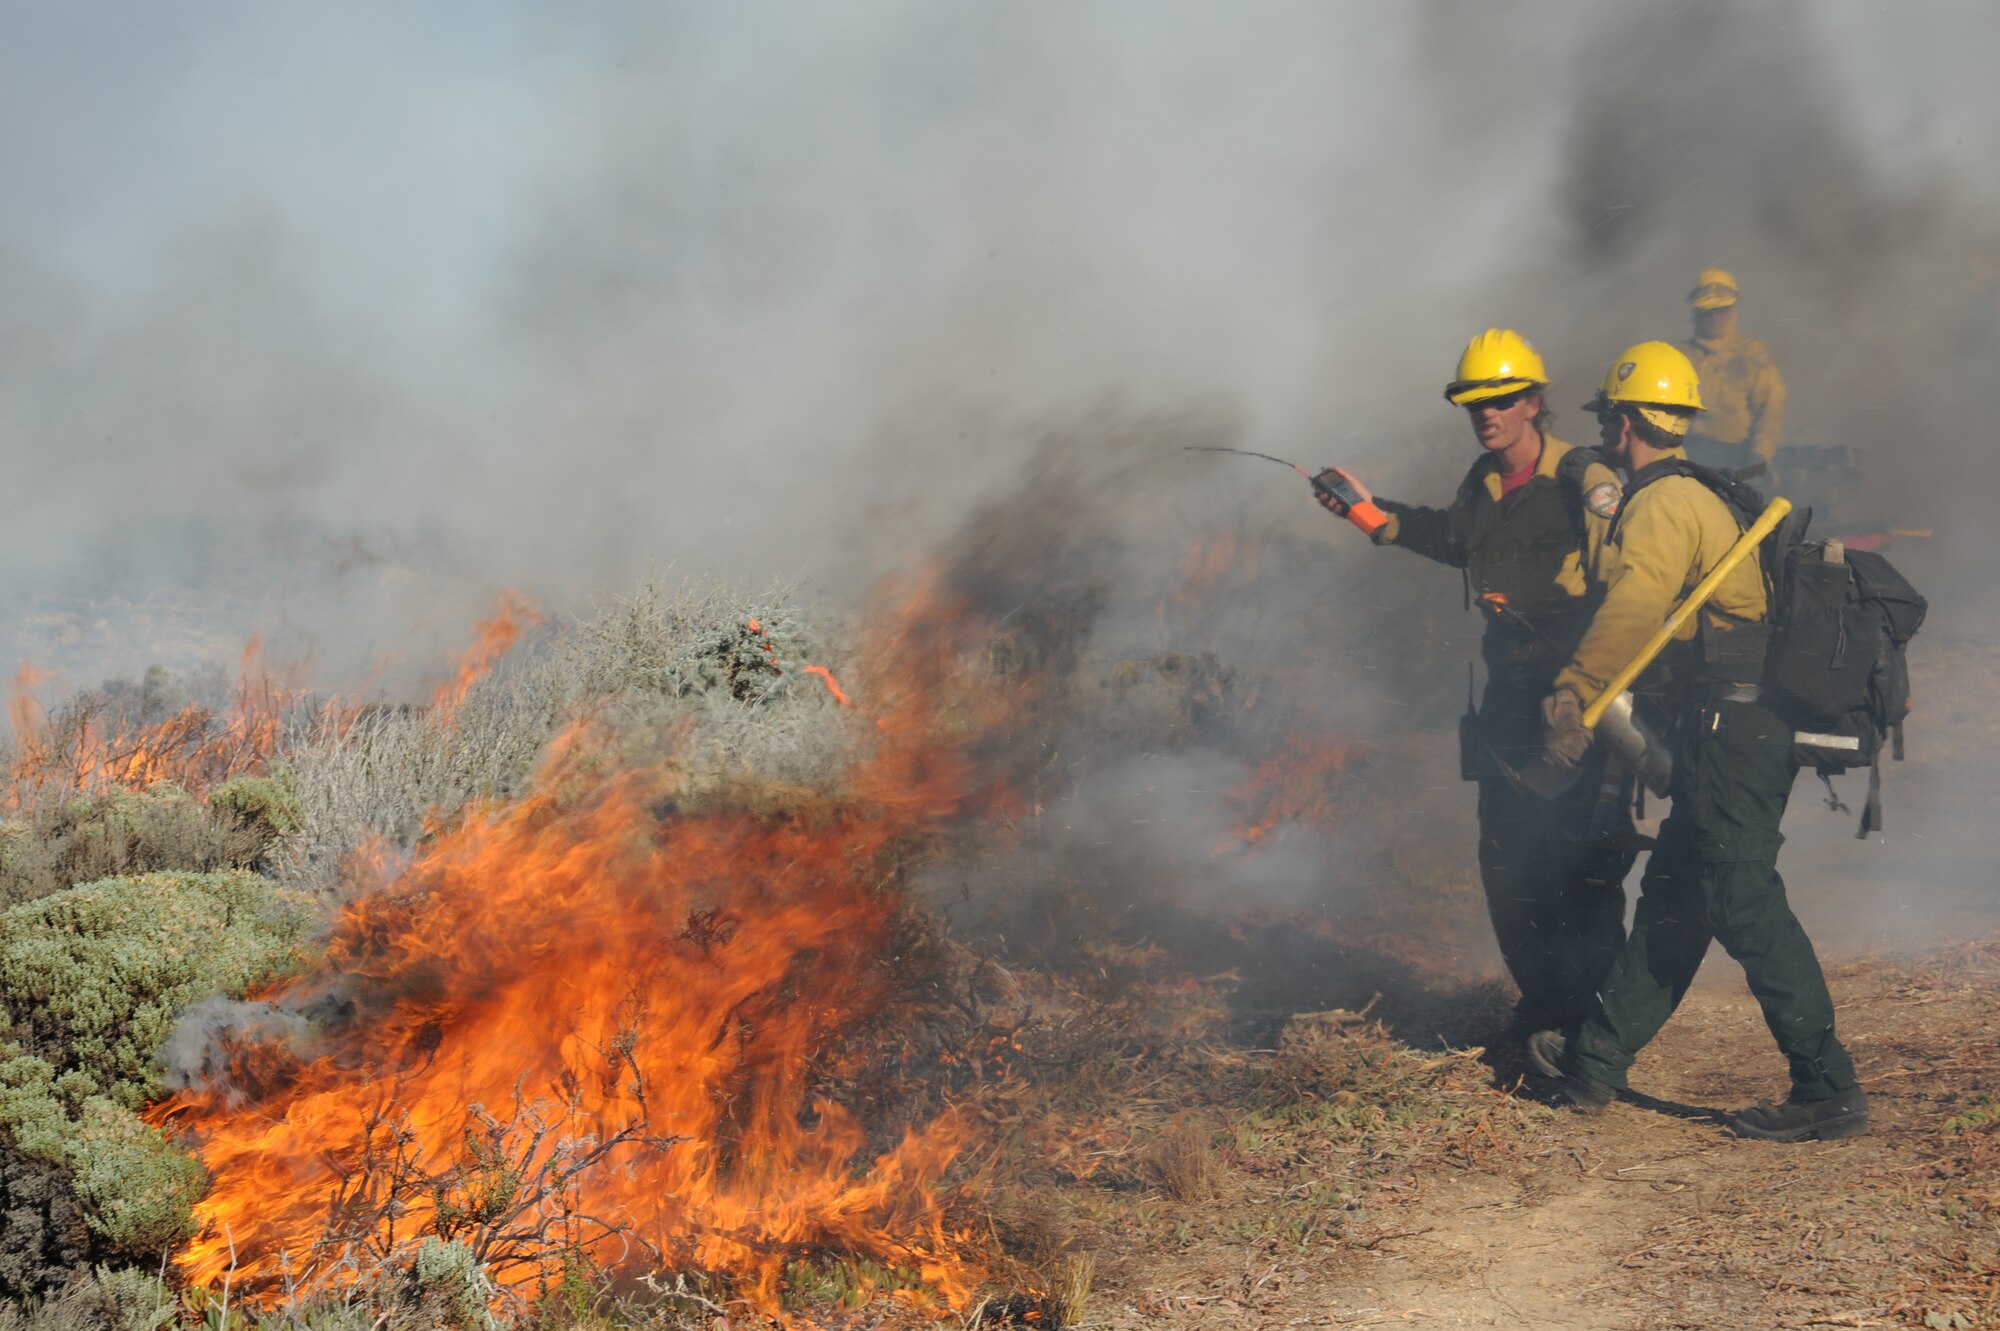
(1657,378)
(1497,362)
(1713,289)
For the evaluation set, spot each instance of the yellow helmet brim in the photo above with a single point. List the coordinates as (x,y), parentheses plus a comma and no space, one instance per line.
(1711,298)
(1465,392)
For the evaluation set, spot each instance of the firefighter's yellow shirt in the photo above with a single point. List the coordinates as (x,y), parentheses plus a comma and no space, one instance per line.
(1742,392)
(1671,534)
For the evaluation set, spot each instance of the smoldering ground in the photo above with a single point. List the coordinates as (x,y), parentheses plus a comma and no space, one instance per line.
(331,330)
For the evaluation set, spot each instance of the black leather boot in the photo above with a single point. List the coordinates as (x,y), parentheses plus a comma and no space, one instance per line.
(1843,1115)
(1546,1050)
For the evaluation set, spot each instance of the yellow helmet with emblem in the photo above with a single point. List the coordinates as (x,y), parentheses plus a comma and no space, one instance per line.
(1658,379)
(1714,288)
(1497,362)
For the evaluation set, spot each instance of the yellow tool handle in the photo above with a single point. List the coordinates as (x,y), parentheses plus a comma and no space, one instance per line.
(1752,537)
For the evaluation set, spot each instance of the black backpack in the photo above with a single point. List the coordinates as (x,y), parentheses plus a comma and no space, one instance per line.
(1840,620)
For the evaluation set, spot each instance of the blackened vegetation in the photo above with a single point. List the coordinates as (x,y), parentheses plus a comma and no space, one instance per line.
(44,1241)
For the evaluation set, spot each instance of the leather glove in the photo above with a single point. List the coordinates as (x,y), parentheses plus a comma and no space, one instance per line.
(1564,736)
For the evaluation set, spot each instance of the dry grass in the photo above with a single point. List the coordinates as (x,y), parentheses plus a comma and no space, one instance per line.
(1069,1289)
(1184,1162)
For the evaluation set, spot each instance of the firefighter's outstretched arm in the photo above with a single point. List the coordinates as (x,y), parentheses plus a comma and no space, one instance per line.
(1434,533)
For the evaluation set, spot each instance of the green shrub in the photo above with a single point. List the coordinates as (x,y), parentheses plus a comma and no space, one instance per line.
(268,804)
(62,838)
(448,1289)
(137,1189)
(93,977)
(92,980)
(106,1299)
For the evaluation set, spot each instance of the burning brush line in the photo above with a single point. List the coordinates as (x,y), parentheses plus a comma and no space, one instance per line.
(589,1025)
(93,748)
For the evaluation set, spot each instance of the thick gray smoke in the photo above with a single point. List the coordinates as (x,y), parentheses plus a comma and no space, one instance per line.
(1712,133)
(502,297)
(330,326)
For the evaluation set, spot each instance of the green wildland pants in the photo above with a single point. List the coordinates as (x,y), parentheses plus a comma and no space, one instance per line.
(1557,906)
(1714,875)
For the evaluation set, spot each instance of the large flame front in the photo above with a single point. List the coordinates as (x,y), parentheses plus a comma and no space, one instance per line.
(588,1025)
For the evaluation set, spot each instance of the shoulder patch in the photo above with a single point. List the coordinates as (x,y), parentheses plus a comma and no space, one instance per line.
(1604,498)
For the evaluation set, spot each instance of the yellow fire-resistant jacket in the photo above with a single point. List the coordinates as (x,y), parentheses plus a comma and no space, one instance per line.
(1743,392)
(1526,549)
(1673,531)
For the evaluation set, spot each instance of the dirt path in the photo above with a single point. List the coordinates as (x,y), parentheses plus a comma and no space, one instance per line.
(1606,1208)
(1651,1216)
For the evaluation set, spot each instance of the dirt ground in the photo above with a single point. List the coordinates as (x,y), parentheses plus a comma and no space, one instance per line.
(1647,1216)
(1462,1198)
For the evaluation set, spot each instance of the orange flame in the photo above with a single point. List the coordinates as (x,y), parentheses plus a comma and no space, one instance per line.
(96,747)
(832,684)
(1212,555)
(659,987)
(491,638)
(756,627)
(1295,785)
(22,711)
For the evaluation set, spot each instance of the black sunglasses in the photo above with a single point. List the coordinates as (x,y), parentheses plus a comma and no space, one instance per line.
(1502,403)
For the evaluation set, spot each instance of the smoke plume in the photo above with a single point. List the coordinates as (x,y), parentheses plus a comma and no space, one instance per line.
(332,327)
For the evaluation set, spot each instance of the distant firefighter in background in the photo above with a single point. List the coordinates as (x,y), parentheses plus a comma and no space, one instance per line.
(1739,381)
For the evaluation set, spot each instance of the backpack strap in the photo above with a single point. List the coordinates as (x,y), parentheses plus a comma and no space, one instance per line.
(1640,479)
(1871,811)
(1747,647)
(1745,501)
(1571,474)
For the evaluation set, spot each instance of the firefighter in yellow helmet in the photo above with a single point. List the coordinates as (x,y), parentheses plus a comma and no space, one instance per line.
(1713,874)
(1744,421)
(1527,525)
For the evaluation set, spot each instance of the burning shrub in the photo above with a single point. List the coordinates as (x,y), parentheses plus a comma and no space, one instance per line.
(701,643)
(1170,701)
(722,673)
(634,963)
(92,980)
(135,736)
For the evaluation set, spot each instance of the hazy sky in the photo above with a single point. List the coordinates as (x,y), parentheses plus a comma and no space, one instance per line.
(385,306)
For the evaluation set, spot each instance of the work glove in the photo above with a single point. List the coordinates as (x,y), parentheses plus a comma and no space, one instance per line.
(1564,736)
